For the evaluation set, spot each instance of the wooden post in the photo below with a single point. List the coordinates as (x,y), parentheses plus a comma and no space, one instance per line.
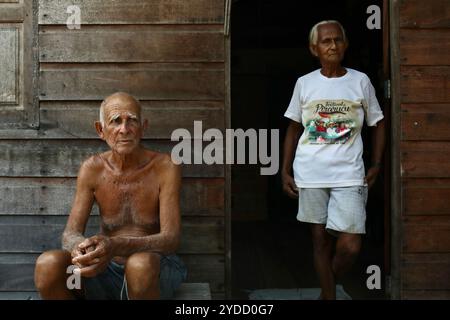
(396,236)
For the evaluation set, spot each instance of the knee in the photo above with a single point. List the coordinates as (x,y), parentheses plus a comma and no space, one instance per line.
(49,266)
(143,266)
(322,242)
(349,249)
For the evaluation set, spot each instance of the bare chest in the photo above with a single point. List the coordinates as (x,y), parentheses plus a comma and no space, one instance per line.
(128,201)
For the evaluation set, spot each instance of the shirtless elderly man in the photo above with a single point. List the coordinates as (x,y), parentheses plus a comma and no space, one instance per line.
(137,192)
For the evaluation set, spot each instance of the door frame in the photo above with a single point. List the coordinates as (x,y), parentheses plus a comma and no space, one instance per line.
(392,182)
(395,137)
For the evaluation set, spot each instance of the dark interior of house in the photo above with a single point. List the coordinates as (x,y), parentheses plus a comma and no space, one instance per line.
(269,51)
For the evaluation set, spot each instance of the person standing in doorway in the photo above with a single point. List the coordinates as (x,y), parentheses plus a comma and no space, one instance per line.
(326,172)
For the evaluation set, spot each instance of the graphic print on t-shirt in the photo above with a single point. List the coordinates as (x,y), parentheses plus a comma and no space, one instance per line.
(331,121)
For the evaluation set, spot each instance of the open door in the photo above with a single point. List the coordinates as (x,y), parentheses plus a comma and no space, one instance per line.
(269,51)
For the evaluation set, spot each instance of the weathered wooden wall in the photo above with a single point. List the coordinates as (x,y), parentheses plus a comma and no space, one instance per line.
(171,55)
(424,102)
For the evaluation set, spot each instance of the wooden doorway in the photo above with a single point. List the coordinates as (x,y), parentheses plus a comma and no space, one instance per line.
(268,53)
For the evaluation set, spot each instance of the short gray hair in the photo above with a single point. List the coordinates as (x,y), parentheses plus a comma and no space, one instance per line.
(101,116)
(313,34)
(102,106)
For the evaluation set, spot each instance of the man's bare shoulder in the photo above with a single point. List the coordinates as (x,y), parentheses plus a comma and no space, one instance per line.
(162,162)
(93,165)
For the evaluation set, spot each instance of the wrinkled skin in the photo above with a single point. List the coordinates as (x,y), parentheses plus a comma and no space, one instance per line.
(137,192)
(330,260)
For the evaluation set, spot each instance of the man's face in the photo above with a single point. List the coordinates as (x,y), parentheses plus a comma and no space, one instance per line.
(122,129)
(330,47)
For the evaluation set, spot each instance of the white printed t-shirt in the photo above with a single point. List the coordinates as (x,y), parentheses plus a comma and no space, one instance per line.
(332,111)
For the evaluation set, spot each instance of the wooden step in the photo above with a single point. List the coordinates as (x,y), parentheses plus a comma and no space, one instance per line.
(193,291)
(187,291)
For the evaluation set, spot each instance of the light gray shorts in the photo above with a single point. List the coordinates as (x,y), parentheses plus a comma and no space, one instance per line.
(340,209)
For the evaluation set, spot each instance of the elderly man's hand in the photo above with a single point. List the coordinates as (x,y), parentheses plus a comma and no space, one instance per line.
(289,186)
(98,253)
(82,248)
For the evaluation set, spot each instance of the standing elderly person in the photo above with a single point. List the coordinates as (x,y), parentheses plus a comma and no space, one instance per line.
(329,177)
(137,192)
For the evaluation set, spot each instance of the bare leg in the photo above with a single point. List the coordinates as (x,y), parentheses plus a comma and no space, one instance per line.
(347,249)
(50,275)
(323,249)
(142,273)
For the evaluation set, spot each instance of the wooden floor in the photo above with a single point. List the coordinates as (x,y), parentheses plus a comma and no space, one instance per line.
(268,255)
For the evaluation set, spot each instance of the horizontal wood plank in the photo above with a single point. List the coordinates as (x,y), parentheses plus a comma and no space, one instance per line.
(424,14)
(52,126)
(33,196)
(425,294)
(203,197)
(426,234)
(426,196)
(73,120)
(54,196)
(193,291)
(186,291)
(19,295)
(134,11)
(425,159)
(12,13)
(425,47)
(425,121)
(425,84)
(40,233)
(426,271)
(62,158)
(144,81)
(16,271)
(131,44)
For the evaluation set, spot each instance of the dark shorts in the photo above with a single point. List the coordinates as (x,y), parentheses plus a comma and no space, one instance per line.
(111,284)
